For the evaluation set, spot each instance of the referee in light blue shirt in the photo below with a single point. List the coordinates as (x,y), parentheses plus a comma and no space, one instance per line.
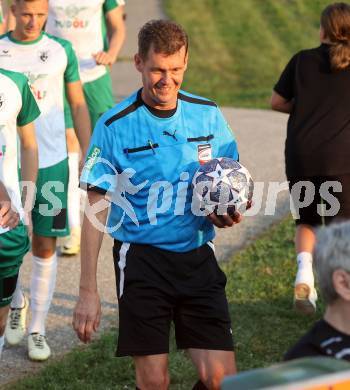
(144,153)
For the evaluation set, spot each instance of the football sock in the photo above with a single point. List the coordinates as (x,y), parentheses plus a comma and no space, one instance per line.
(305,272)
(199,386)
(2,342)
(42,286)
(18,297)
(73,190)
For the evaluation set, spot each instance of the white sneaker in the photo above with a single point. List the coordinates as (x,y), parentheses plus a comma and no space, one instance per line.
(16,324)
(71,245)
(305,298)
(37,347)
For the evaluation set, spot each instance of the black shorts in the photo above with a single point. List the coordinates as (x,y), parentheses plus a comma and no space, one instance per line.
(8,286)
(311,214)
(156,287)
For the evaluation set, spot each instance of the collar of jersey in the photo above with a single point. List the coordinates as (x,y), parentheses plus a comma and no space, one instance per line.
(170,118)
(9,36)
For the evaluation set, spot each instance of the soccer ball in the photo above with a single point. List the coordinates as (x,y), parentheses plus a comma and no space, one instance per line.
(223,185)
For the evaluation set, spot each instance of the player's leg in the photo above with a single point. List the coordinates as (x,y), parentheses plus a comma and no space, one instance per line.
(305,197)
(212,366)
(16,324)
(3,318)
(99,97)
(7,287)
(49,217)
(152,372)
(42,286)
(13,246)
(304,290)
(71,244)
(202,321)
(332,195)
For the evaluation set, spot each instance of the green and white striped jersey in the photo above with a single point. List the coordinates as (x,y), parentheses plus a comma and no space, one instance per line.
(48,62)
(81,23)
(17,108)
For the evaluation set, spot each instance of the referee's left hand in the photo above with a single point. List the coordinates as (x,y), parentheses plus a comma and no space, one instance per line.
(87,315)
(225,220)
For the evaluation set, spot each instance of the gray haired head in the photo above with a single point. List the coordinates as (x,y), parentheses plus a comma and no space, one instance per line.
(332,252)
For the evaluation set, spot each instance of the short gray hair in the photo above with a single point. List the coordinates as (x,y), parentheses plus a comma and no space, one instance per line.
(166,37)
(332,252)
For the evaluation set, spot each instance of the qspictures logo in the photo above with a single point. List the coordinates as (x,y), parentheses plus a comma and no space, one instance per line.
(70,17)
(164,197)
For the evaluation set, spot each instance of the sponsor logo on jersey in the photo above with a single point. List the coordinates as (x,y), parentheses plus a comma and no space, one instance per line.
(71,12)
(39,93)
(3,151)
(92,157)
(43,55)
(2,101)
(170,133)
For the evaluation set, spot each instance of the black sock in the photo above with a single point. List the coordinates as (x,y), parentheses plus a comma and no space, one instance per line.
(199,386)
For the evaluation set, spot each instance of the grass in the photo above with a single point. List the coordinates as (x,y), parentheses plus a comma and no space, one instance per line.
(238,48)
(259,290)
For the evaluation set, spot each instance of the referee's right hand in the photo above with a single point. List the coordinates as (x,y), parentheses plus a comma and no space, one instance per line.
(87,315)
(225,220)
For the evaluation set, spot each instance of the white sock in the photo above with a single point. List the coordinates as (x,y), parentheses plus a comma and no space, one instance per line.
(305,273)
(18,296)
(73,191)
(83,196)
(2,342)
(42,287)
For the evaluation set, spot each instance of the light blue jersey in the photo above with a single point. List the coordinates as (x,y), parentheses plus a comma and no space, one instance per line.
(147,163)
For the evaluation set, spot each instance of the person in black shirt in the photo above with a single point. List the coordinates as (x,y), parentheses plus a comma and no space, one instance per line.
(331,335)
(314,89)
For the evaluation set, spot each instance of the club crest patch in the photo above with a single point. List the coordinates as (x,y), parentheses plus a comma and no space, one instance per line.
(204,153)
(43,55)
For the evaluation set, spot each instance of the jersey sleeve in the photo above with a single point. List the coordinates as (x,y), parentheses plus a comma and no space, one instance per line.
(29,110)
(285,84)
(71,74)
(108,5)
(228,144)
(99,173)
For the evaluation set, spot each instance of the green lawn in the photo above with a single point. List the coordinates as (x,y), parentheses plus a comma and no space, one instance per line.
(259,289)
(239,47)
